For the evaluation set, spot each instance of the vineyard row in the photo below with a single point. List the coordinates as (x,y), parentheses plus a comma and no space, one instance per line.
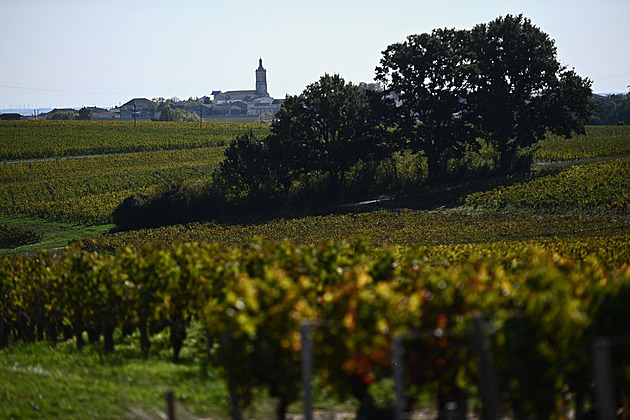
(40,139)
(253,300)
(89,189)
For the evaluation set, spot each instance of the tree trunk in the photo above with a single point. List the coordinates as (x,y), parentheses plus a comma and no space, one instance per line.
(39,329)
(145,343)
(108,338)
(4,333)
(506,157)
(178,335)
(281,409)
(235,409)
(78,332)
(94,334)
(51,332)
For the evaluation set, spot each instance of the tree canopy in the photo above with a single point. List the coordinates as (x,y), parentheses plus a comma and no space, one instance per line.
(326,129)
(85,114)
(427,80)
(500,81)
(174,114)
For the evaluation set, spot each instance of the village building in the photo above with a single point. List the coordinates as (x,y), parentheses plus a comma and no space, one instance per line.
(233,103)
(137,108)
(10,116)
(256,102)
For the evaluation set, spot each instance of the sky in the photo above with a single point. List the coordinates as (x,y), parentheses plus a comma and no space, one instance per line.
(74,53)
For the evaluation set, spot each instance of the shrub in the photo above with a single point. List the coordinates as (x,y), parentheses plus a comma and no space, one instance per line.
(14,236)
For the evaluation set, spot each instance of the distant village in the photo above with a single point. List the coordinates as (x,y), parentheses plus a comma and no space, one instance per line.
(234,103)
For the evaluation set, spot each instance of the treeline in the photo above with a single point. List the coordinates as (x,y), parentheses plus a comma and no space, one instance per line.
(612,110)
(446,105)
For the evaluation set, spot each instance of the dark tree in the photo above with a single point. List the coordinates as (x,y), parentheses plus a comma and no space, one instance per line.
(427,79)
(612,109)
(500,81)
(328,128)
(522,91)
(244,169)
(85,114)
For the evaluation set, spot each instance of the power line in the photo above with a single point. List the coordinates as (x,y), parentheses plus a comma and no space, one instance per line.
(69,89)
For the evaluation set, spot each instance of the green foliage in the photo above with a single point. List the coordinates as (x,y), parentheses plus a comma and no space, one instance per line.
(427,79)
(14,236)
(245,168)
(85,114)
(596,187)
(327,129)
(612,109)
(253,300)
(174,114)
(597,141)
(523,91)
(62,115)
(500,81)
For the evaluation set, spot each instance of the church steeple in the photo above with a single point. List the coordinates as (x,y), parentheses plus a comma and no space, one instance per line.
(261,80)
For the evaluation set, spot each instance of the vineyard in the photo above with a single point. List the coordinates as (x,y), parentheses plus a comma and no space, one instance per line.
(379,228)
(80,171)
(259,294)
(39,139)
(596,187)
(544,262)
(598,141)
(88,189)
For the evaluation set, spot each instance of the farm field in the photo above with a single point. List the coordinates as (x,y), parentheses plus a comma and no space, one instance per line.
(77,172)
(40,139)
(560,237)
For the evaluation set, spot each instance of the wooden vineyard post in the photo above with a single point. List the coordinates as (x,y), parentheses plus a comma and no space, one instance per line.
(604,384)
(170,405)
(307,370)
(235,409)
(489,387)
(398,373)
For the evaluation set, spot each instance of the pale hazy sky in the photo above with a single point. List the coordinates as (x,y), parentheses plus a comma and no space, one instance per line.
(72,53)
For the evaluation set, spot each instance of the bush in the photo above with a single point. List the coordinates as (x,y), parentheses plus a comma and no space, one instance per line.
(14,236)
(62,115)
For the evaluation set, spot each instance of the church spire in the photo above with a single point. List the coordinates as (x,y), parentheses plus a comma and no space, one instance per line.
(261,79)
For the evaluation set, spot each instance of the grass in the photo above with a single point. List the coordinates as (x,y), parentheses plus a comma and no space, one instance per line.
(45,382)
(55,234)
(39,381)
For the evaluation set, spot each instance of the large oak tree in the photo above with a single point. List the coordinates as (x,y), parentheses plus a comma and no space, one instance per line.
(501,81)
(328,128)
(427,79)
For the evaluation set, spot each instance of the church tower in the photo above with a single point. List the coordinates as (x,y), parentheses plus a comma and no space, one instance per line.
(261,80)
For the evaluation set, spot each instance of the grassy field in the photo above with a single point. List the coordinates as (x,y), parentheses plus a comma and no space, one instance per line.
(42,382)
(579,211)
